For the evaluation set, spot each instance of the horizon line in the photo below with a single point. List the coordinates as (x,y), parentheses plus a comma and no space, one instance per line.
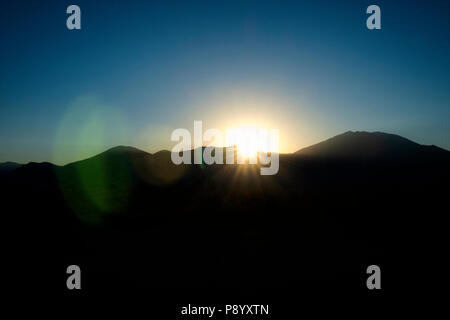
(224,147)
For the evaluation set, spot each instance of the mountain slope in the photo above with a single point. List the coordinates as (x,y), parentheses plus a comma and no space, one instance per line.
(126,214)
(363,144)
(6,167)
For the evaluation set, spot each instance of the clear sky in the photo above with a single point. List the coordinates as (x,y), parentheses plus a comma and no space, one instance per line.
(137,70)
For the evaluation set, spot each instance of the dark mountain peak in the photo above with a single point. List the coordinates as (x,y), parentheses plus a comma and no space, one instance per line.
(33,164)
(372,135)
(36,167)
(114,157)
(365,144)
(6,167)
(40,173)
(376,137)
(10,163)
(124,150)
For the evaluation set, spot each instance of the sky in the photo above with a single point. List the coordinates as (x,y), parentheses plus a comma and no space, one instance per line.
(138,70)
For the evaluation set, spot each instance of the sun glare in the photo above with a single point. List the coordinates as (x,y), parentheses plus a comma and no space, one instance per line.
(249,140)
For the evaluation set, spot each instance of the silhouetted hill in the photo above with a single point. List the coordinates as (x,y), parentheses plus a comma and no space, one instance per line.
(6,167)
(369,145)
(333,209)
(36,174)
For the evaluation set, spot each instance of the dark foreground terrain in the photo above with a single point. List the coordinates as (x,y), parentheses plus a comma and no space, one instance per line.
(138,225)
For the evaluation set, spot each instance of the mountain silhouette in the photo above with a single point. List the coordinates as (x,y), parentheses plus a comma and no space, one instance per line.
(6,167)
(134,220)
(363,144)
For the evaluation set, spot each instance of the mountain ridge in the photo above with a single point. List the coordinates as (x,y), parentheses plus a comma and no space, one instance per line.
(367,144)
(8,166)
(122,204)
(345,145)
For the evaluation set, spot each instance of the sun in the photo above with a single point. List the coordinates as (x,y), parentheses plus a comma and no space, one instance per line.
(249,140)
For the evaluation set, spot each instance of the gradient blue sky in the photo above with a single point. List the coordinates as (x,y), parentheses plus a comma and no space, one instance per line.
(137,70)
